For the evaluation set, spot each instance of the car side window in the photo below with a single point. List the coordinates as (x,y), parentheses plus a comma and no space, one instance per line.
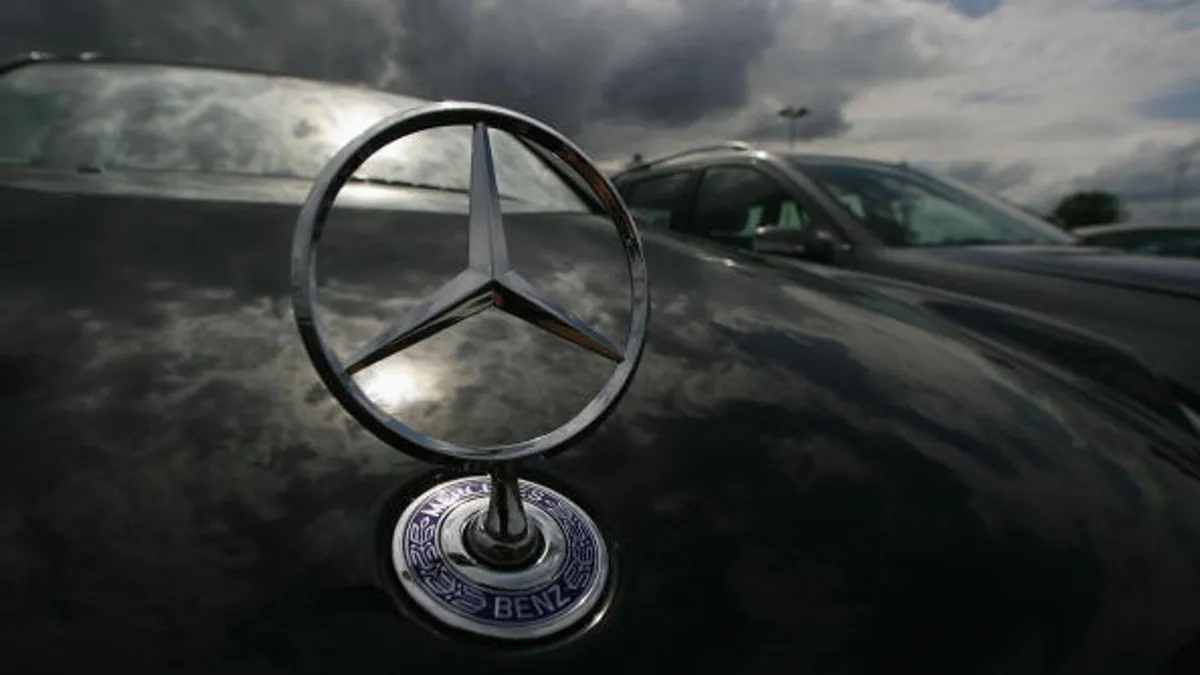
(655,200)
(734,201)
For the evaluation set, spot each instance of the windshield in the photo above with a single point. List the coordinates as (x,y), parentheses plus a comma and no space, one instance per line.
(907,207)
(137,117)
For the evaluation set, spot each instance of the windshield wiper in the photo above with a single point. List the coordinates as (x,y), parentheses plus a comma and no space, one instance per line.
(393,182)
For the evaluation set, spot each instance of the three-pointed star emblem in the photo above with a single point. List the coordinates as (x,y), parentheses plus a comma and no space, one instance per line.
(488,281)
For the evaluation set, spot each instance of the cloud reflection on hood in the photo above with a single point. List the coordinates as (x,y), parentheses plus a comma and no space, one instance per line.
(147,118)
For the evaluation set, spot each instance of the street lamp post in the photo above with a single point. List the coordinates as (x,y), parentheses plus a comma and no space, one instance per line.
(792,114)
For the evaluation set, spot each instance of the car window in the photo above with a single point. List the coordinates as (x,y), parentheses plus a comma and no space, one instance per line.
(733,201)
(25,120)
(853,203)
(655,200)
(144,117)
(906,207)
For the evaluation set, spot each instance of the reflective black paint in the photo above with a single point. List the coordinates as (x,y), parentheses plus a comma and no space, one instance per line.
(1150,304)
(813,470)
(1100,265)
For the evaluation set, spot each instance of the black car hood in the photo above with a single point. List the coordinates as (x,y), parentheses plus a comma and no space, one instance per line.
(1084,263)
(803,471)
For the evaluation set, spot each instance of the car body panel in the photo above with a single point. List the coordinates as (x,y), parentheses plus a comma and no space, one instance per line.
(803,470)
(1097,265)
(1135,302)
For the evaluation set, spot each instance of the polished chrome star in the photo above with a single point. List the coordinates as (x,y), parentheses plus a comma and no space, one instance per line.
(488,281)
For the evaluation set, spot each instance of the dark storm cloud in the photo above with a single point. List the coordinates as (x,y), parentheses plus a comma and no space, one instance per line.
(541,58)
(700,64)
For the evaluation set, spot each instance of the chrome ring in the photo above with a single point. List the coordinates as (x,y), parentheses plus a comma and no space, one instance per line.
(335,374)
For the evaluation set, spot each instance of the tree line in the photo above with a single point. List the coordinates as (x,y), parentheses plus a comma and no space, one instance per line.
(1089,207)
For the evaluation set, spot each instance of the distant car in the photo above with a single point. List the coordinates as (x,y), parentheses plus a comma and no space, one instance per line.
(1179,241)
(905,223)
(848,475)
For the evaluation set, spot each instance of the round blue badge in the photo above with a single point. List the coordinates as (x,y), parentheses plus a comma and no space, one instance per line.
(559,589)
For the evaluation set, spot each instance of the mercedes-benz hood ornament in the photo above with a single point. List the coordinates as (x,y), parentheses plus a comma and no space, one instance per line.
(492,555)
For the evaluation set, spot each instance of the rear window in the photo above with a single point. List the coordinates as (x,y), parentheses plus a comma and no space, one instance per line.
(136,117)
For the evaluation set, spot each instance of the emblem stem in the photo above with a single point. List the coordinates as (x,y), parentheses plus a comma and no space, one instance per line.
(505,519)
(504,537)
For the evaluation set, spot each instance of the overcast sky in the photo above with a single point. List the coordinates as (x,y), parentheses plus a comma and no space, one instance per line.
(1027,97)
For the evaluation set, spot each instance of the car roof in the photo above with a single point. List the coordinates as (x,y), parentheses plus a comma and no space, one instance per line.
(704,156)
(842,160)
(686,160)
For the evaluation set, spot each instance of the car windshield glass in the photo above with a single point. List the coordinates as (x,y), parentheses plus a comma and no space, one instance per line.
(137,117)
(907,207)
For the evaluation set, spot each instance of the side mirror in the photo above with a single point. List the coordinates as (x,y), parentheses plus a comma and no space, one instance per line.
(811,243)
